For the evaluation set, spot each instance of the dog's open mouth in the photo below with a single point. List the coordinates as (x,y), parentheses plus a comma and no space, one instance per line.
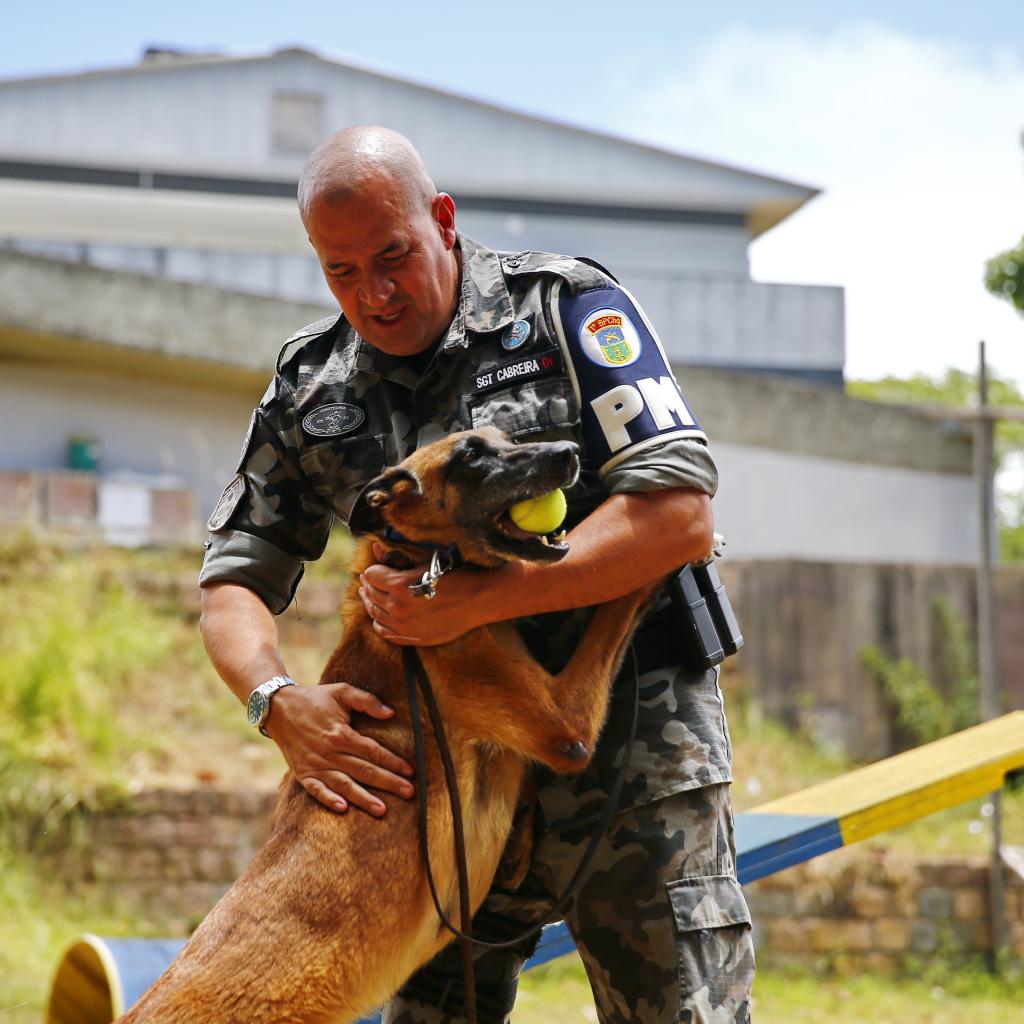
(528,543)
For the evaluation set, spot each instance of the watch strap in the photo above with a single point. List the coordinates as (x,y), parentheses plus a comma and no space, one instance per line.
(268,689)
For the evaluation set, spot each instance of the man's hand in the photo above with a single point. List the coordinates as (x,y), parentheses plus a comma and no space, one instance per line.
(312,726)
(628,541)
(405,618)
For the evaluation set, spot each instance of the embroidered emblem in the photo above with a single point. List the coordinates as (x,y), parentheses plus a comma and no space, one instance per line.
(332,420)
(515,336)
(609,339)
(229,500)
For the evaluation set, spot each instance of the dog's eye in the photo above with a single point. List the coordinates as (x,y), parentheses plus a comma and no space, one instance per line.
(469,454)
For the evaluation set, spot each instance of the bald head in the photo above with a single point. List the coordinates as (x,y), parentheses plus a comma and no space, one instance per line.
(356,160)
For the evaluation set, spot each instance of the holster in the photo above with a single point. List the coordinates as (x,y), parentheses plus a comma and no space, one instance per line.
(705,626)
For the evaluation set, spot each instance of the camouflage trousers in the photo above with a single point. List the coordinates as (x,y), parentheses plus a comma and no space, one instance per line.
(660,922)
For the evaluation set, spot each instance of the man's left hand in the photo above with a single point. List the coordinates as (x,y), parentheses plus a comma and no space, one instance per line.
(402,617)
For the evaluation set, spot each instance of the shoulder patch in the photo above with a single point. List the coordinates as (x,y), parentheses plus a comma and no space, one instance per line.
(628,395)
(229,501)
(608,338)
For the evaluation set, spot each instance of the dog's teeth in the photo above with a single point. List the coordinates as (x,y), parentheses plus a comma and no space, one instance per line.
(545,541)
(560,536)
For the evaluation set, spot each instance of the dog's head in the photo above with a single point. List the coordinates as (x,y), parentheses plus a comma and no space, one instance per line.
(457,491)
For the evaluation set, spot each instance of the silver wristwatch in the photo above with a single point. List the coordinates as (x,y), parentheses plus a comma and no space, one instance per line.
(258,707)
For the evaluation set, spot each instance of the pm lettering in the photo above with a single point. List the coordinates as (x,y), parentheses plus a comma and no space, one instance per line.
(620,406)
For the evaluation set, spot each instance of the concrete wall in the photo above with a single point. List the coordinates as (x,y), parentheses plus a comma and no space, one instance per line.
(704,316)
(806,472)
(144,426)
(788,505)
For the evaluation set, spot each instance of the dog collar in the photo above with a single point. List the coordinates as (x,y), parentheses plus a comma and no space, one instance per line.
(443,560)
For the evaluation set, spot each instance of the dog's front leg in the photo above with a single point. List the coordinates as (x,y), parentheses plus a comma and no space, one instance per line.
(496,690)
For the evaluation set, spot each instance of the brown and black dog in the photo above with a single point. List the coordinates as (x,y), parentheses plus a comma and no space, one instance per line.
(334,912)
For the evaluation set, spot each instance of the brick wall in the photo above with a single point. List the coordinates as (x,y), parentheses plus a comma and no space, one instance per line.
(170,854)
(868,908)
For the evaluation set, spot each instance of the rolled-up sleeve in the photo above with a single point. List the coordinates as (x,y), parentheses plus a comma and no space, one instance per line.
(684,462)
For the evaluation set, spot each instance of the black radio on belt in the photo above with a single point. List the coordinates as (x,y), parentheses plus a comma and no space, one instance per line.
(707,628)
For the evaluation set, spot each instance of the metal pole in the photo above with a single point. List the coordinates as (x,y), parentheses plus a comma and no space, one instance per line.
(987,678)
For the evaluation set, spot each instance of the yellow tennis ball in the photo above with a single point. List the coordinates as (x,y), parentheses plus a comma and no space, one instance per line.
(539,515)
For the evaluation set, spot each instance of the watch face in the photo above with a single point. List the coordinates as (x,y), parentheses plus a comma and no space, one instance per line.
(257,708)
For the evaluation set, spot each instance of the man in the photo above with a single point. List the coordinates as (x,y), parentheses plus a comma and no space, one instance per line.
(439,334)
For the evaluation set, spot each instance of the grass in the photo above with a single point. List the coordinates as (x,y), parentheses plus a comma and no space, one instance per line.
(560,989)
(106,687)
(40,917)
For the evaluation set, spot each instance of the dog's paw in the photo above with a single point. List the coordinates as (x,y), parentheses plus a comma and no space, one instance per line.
(571,755)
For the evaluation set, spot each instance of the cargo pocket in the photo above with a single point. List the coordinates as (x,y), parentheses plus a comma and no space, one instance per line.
(714,949)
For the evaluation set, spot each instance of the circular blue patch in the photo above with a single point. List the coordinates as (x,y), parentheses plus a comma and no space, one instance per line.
(515,336)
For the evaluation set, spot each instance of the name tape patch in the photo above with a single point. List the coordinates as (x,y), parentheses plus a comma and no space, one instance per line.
(517,372)
(332,420)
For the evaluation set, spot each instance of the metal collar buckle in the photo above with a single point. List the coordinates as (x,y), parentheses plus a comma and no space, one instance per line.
(442,562)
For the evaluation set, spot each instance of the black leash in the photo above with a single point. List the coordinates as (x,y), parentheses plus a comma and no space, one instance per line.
(415,673)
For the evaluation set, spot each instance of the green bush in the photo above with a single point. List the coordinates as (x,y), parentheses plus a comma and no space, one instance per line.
(921,709)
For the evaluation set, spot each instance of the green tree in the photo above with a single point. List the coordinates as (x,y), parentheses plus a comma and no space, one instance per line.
(960,389)
(1004,276)
(1004,273)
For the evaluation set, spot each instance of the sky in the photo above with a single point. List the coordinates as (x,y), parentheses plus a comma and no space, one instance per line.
(908,115)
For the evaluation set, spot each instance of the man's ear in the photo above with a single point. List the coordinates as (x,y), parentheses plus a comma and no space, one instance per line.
(374,499)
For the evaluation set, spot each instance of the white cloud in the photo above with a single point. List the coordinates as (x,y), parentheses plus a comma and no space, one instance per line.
(916,144)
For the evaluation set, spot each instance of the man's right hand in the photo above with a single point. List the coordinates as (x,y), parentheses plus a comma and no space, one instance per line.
(312,726)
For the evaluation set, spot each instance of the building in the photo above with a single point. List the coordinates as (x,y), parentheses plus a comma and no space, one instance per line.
(185,166)
(153,263)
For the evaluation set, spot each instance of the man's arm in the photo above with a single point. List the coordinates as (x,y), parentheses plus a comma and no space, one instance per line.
(310,724)
(628,541)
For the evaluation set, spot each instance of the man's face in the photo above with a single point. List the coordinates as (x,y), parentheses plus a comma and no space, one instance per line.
(389,262)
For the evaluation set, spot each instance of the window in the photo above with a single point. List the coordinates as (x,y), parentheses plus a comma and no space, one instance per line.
(297,122)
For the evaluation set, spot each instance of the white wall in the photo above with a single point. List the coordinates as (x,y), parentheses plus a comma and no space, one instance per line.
(771,504)
(143,426)
(775,504)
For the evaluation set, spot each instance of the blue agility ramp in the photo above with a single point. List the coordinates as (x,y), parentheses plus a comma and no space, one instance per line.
(98,978)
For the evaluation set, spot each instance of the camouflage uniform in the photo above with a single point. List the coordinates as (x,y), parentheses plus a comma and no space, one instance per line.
(660,920)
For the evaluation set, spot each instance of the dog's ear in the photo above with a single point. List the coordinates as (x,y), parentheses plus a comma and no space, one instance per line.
(381,492)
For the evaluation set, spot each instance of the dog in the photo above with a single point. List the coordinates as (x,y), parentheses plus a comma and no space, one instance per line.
(334,912)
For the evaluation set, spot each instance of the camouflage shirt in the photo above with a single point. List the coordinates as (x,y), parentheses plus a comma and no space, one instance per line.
(542,346)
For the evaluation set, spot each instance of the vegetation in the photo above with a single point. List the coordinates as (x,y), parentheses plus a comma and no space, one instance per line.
(922,710)
(107,689)
(936,996)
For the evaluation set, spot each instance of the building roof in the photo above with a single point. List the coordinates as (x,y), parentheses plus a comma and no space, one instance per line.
(149,140)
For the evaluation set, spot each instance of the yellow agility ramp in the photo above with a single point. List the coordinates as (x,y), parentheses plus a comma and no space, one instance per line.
(879,797)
